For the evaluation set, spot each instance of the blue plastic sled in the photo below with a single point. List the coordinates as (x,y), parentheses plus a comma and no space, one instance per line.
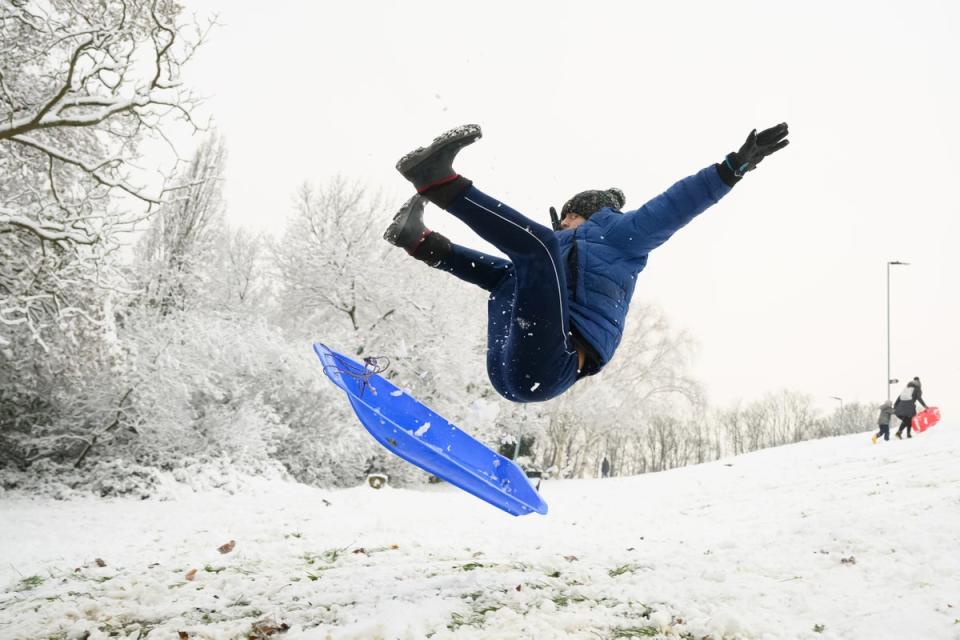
(418,435)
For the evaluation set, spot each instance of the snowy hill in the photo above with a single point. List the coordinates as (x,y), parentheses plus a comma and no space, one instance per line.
(835,538)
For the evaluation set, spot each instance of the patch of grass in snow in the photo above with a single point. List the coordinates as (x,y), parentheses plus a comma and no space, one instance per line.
(634,632)
(211,569)
(329,556)
(132,630)
(481,603)
(470,566)
(619,571)
(564,600)
(82,576)
(650,631)
(457,621)
(144,631)
(473,619)
(372,550)
(29,583)
(819,628)
(240,604)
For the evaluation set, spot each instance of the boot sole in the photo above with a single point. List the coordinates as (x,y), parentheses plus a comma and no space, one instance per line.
(395,230)
(464,134)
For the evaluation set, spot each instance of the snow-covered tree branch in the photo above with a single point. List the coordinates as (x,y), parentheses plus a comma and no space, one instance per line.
(111,68)
(83,84)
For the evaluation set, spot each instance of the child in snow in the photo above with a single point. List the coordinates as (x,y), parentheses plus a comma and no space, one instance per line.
(906,406)
(557,306)
(883,421)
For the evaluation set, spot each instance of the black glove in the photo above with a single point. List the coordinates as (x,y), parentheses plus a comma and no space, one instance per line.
(555,220)
(757,147)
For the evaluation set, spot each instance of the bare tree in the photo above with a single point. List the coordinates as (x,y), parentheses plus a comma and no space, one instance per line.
(653,359)
(561,435)
(331,258)
(703,441)
(756,418)
(610,415)
(732,425)
(242,253)
(341,283)
(82,84)
(183,236)
(853,417)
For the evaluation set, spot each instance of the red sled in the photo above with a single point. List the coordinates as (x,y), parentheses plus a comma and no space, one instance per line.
(926,419)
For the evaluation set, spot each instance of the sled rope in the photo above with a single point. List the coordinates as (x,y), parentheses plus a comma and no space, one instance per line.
(372,365)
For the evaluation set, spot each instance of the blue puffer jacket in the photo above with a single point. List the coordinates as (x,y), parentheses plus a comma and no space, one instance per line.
(611,249)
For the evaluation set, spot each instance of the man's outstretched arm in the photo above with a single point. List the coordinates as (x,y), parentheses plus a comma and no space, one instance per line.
(651,225)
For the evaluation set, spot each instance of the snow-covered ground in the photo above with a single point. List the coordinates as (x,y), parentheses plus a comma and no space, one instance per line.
(835,538)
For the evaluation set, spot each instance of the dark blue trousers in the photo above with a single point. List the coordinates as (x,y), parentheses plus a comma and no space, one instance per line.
(530,354)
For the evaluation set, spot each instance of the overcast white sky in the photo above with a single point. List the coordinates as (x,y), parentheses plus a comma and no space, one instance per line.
(782,283)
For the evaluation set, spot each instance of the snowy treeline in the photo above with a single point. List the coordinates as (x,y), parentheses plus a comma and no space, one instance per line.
(140,332)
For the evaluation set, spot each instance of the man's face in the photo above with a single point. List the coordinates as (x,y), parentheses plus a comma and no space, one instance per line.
(572,221)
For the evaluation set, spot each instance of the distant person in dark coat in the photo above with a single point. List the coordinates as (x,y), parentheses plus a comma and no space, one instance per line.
(906,406)
(883,421)
(605,468)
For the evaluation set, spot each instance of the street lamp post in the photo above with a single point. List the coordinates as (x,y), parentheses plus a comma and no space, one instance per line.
(890,380)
